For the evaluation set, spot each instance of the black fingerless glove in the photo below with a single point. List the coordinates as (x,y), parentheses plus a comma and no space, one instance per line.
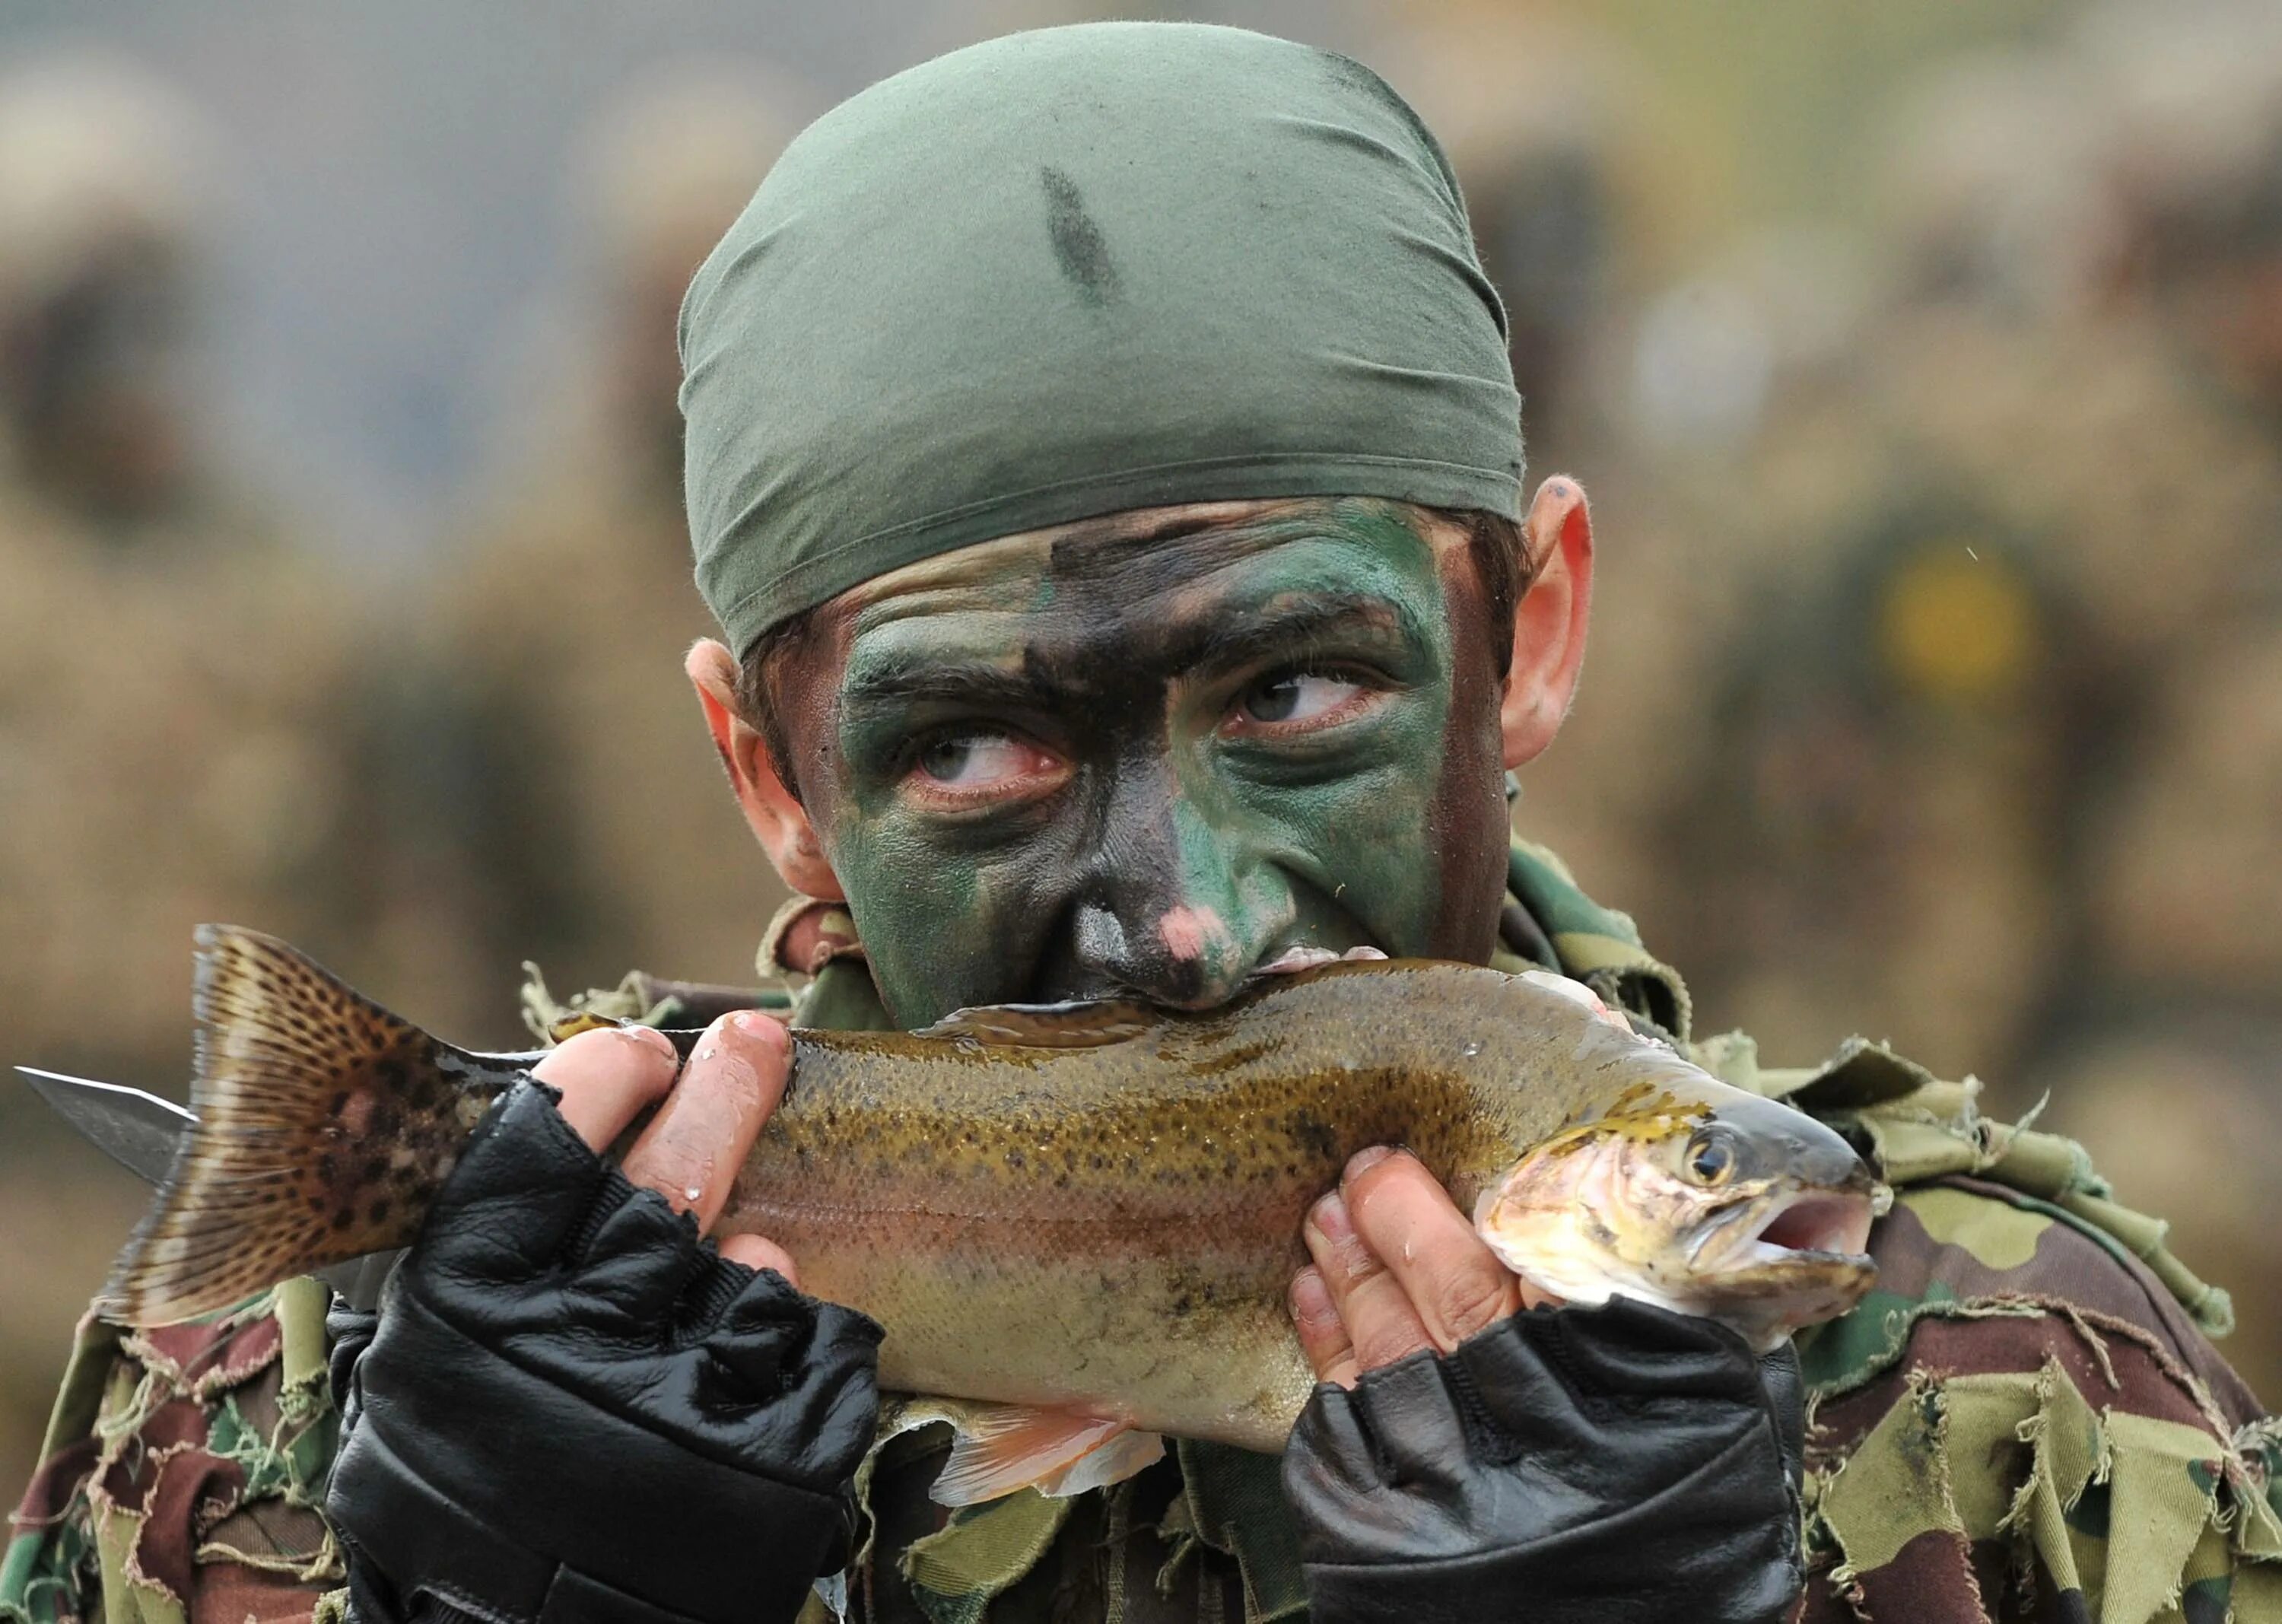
(572,1408)
(1622,1464)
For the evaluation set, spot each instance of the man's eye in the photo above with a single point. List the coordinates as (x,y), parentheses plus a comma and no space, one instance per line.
(1294,696)
(977,760)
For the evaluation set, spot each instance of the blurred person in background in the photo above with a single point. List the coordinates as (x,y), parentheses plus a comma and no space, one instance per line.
(1870,816)
(2170,1048)
(176,742)
(2045,367)
(571,815)
(1974,783)
(1865,807)
(2116,403)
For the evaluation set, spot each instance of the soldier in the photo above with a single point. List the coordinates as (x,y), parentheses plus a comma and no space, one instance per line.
(173,742)
(126,823)
(1872,821)
(103,176)
(1102,460)
(573,811)
(2001,433)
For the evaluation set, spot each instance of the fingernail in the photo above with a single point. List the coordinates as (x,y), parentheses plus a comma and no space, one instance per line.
(755,1023)
(645,1038)
(1309,1298)
(1330,1218)
(1363,1161)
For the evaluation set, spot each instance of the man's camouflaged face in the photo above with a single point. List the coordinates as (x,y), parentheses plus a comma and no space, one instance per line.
(1121,759)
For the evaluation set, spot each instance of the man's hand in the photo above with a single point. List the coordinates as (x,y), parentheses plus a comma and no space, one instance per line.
(1467,1460)
(572,1407)
(714,1107)
(1398,1269)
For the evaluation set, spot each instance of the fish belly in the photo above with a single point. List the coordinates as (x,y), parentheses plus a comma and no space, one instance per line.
(1194,1345)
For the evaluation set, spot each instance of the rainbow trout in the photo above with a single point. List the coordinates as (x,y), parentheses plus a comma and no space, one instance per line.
(1083,1219)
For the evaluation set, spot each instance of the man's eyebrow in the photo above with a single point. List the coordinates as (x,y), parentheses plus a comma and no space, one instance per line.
(984,682)
(1297,620)
(1288,626)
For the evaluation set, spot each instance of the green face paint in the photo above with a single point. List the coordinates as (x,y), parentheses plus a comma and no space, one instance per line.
(1102,762)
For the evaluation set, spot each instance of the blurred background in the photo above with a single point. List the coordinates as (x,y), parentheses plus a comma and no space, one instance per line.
(1924,363)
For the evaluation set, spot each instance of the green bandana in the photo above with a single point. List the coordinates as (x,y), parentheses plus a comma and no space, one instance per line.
(1074,271)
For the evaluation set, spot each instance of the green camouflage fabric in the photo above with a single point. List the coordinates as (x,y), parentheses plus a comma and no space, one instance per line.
(183,1474)
(2025,1422)
(2025,1419)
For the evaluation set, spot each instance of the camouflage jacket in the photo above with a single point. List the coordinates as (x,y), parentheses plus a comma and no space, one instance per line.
(2024,1421)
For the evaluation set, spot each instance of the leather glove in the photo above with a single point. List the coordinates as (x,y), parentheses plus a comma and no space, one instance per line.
(574,1409)
(1615,1464)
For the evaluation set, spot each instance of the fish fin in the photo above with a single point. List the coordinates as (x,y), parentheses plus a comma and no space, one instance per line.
(1113,1460)
(325,1125)
(1089,1024)
(1002,1448)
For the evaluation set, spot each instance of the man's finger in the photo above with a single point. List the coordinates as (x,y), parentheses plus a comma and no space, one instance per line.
(1371,1303)
(691,1150)
(607,1077)
(759,1252)
(1322,1333)
(1452,1279)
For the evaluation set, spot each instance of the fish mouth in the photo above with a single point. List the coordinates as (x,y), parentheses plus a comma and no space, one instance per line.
(1800,1227)
(1798,1258)
(1817,1224)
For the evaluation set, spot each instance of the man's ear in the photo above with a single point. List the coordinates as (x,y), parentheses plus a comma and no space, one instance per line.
(779,821)
(1548,622)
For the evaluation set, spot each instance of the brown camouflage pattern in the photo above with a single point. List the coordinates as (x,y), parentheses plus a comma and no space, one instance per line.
(2022,1424)
(183,1475)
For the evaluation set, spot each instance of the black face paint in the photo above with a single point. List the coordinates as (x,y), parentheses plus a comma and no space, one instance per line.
(1104,764)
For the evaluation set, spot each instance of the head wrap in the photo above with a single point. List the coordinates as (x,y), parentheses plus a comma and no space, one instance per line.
(1074,271)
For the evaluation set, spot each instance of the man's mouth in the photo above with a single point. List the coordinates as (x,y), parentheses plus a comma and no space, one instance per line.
(1300,956)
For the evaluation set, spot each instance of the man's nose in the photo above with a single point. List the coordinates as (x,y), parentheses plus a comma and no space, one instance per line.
(1182,913)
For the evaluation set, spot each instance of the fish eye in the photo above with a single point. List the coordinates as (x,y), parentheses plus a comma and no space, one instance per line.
(1711,1159)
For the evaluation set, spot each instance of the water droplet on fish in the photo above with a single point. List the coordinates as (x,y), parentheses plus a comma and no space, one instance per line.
(1470,1051)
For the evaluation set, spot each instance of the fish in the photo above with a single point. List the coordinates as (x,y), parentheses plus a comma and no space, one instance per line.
(1078,1223)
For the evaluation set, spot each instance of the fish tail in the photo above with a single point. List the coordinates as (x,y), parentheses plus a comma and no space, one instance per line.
(324,1126)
